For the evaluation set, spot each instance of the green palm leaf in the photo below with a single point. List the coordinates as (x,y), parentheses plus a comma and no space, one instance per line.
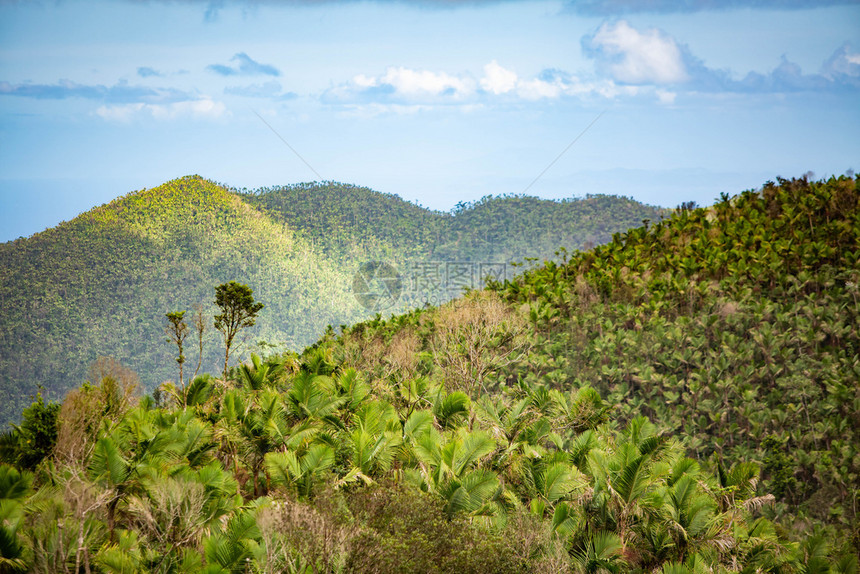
(418,424)
(633,479)
(283,468)
(559,480)
(602,551)
(471,492)
(475,446)
(108,464)
(14,484)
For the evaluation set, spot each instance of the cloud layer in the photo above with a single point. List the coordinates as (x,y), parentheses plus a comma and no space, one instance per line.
(244,66)
(203,108)
(122,101)
(118,93)
(628,62)
(585,7)
(631,56)
(406,86)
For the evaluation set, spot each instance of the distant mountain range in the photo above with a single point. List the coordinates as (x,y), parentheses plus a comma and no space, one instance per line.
(100,284)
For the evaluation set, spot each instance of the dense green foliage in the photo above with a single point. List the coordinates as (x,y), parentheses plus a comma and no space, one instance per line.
(28,444)
(736,326)
(100,285)
(307,465)
(682,400)
(348,221)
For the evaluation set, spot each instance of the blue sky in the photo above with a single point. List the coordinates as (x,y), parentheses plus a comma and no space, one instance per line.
(436,101)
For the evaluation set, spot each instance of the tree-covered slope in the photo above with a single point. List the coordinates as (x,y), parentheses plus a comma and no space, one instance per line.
(734,327)
(348,221)
(515,228)
(505,431)
(102,283)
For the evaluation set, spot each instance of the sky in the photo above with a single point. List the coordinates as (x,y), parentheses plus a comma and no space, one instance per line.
(437,101)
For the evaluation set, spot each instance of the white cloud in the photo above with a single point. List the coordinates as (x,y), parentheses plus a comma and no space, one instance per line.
(204,108)
(121,113)
(404,86)
(635,57)
(666,98)
(537,89)
(497,79)
(549,84)
(418,83)
(406,90)
(552,84)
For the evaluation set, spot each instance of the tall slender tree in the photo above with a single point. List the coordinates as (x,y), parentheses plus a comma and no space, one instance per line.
(177,331)
(238,311)
(199,329)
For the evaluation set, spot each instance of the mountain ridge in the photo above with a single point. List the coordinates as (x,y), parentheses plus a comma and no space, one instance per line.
(101,283)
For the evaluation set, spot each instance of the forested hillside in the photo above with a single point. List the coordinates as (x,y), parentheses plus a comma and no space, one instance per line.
(100,285)
(682,400)
(735,326)
(732,327)
(348,221)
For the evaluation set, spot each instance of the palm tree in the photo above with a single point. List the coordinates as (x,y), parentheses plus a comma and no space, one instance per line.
(259,374)
(624,476)
(143,443)
(230,550)
(374,440)
(448,467)
(689,513)
(113,472)
(314,397)
(263,428)
(15,489)
(286,468)
(600,552)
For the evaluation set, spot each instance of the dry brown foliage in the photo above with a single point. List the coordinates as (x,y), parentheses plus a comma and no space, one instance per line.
(110,394)
(476,336)
(290,528)
(402,354)
(172,512)
(532,543)
(396,359)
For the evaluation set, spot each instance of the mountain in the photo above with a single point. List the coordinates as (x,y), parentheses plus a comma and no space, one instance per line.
(347,220)
(681,400)
(100,285)
(732,327)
